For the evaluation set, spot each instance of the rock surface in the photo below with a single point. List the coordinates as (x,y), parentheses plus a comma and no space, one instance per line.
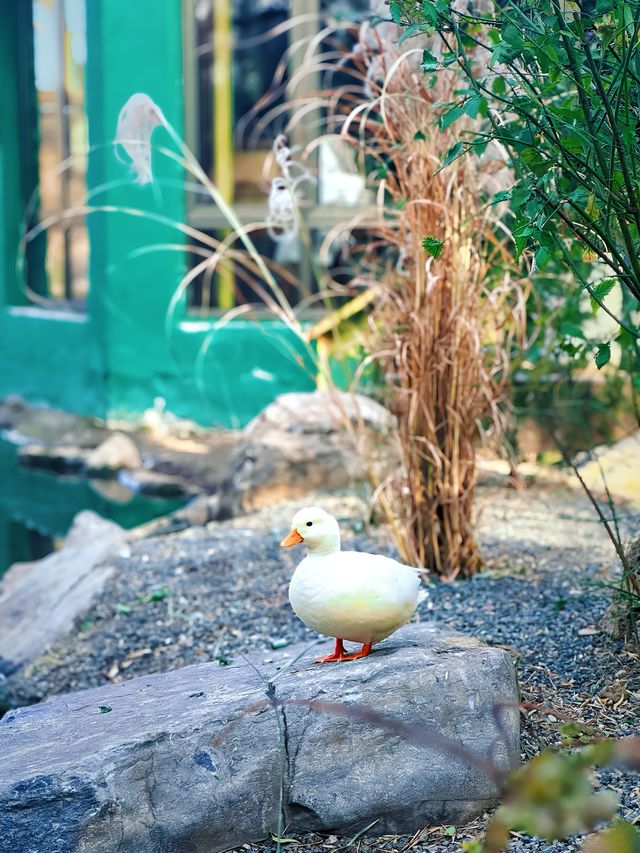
(303,442)
(618,466)
(117,451)
(39,601)
(198,759)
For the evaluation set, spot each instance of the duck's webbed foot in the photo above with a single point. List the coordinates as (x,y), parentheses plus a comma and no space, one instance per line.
(340,653)
(364,651)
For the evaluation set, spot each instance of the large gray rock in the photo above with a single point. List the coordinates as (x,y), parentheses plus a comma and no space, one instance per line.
(303,442)
(199,759)
(39,601)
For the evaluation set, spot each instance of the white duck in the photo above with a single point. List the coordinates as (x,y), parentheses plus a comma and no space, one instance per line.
(347,594)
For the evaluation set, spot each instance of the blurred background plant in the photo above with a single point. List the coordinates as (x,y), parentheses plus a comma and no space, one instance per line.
(421,291)
(556,85)
(445,306)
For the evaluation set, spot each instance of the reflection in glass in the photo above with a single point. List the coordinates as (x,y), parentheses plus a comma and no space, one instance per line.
(60,52)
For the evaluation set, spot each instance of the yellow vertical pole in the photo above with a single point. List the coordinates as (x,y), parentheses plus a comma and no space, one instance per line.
(223,128)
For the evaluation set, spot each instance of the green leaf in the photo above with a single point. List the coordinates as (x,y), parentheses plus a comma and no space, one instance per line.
(395,9)
(453,153)
(499,87)
(502,195)
(479,145)
(601,291)
(451,116)
(603,355)
(104,709)
(158,594)
(502,53)
(429,61)
(410,32)
(625,338)
(591,208)
(433,246)
(419,135)
(536,161)
(473,106)
(542,256)
(429,13)
(511,35)
(123,608)
(622,837)
(572,330)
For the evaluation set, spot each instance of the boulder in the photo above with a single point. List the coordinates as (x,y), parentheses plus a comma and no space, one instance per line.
(39,601)
(616,465)
(206,758)
(116,452)
(304,442)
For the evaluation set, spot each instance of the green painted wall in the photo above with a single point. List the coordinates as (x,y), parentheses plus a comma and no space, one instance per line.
(45,356)
(118,358)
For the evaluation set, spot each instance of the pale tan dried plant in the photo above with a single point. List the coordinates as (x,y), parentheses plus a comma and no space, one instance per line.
(442,317)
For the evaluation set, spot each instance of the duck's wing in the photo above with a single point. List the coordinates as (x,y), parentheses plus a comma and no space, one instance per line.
(378,569)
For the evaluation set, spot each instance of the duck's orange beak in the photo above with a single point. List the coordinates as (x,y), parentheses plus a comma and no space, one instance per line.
(291,539)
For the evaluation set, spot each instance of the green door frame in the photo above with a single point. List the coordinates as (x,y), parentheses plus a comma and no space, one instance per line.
(45,356)
(247,362)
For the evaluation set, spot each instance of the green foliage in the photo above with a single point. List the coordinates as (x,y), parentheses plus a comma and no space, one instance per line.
(433,246)
(622,837)
(603,355)
(552,797)
(158,594)
(557,85)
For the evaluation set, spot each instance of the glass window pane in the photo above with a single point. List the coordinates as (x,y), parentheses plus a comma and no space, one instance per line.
(59,45)
(258,83)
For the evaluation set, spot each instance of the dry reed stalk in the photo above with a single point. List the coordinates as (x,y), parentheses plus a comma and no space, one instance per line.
(442,325)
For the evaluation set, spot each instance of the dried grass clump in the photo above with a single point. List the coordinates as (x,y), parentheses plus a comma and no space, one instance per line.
(442,316)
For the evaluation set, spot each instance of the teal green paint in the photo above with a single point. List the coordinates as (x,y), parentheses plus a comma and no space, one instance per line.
(11,190)
(45,356)
(48,503)
(118,358)
(134,47)
(50,360)
(245,366)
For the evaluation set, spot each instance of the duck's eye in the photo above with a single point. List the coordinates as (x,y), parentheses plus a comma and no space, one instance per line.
(309,523)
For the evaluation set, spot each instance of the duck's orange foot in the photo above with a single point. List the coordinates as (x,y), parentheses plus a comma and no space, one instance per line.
(340,653)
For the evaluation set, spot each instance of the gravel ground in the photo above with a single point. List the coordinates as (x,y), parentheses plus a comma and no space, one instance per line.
(215,592)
